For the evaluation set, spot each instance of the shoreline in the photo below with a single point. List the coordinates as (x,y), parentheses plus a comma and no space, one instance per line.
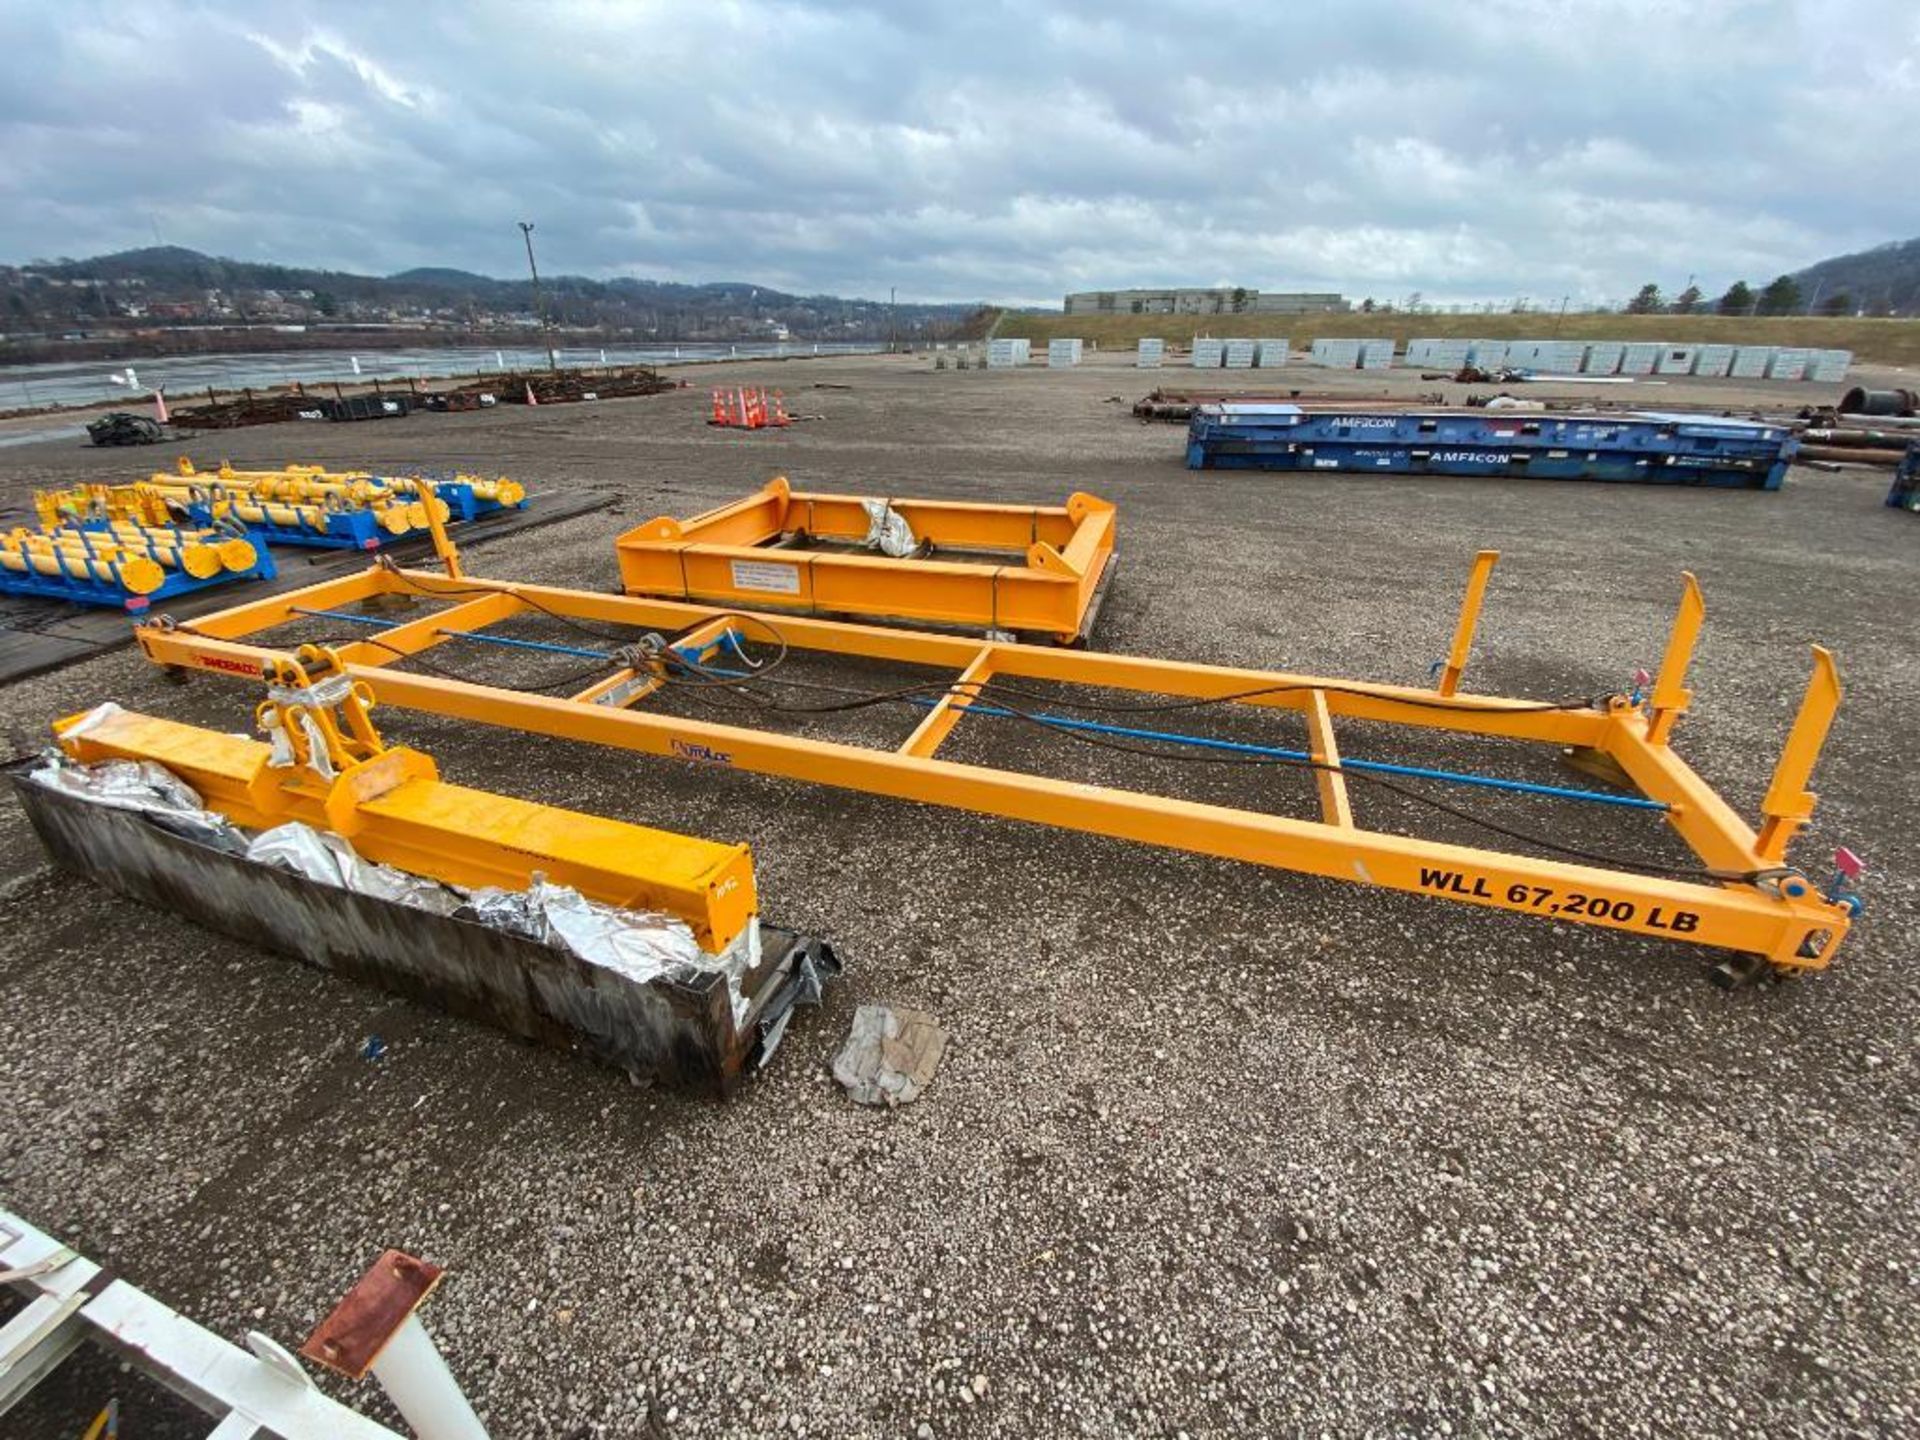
(375,384)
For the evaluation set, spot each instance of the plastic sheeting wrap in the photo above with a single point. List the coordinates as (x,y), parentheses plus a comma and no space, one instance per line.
(888,531)
(142,786)
(329,859)
(302,705)
(545,964)
(640,945)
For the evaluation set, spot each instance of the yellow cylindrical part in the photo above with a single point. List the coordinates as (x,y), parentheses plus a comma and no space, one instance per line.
(501,491)
(135,574)
(175,549)
(268,513)
(237,554)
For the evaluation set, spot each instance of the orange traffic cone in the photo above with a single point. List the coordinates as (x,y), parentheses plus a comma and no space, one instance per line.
(160,407)
(532,399)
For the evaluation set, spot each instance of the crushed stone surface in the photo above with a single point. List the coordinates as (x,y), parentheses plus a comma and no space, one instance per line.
(1214,1150)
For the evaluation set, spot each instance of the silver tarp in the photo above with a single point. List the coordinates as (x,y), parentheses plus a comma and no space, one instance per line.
(329,859)
(143,786)
(888,531)
(640,945)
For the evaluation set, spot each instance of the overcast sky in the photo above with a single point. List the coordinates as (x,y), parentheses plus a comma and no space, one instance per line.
(968,150)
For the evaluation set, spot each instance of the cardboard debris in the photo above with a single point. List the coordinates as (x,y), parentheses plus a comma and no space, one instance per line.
(889,1055)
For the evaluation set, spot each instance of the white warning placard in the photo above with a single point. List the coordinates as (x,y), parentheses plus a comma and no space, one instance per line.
(759,575)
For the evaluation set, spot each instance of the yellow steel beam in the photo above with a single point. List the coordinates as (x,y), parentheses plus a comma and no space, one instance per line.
(396,642)
(1462,647)
(1335,807)
(395,810)
(938,723)
(727,557)
(1351,699)
(435,512)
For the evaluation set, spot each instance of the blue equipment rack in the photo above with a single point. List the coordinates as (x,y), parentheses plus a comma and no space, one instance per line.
(94,591)
(353,529)
(1647,447)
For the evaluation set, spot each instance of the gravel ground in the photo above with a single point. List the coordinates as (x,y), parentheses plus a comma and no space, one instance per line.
(1215,1150)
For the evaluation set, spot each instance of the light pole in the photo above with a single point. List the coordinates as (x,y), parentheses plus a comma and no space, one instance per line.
(539,305)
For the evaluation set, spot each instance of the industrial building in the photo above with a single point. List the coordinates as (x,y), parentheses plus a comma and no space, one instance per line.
(1225,300)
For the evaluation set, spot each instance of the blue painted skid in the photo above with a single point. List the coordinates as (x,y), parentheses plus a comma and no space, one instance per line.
(1645,447)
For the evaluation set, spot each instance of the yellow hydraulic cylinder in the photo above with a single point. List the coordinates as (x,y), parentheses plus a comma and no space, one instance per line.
(254,512)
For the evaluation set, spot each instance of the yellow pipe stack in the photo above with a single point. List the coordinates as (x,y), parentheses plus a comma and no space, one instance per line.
(303,495)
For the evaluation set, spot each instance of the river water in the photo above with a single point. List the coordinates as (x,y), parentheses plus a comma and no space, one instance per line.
(87,382)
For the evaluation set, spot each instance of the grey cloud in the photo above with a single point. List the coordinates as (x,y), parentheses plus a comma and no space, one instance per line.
(985,151)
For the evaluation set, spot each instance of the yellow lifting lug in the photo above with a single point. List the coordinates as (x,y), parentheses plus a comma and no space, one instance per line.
(315,716)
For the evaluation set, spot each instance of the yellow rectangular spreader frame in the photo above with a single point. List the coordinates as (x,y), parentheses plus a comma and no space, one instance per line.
(732,556)
(1767,911)
(396,810)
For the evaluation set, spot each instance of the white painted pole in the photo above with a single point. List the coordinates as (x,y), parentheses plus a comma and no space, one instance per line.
(416,1379)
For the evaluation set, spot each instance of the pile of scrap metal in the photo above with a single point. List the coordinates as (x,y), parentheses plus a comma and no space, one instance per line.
(1646,447)
(552,387)
(639,947)
(1853,444)
(1899,403)
(1868,427)
(248,408)
(312,506)
(121,428)
(1492,375)
(294,403)
(86,553)
(1176,406)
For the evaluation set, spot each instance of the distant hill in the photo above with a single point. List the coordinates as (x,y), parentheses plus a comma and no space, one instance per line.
(196,288)
(1881,280)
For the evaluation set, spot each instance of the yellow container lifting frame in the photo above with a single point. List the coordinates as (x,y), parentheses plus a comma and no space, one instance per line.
(743,553)
(1742,896)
